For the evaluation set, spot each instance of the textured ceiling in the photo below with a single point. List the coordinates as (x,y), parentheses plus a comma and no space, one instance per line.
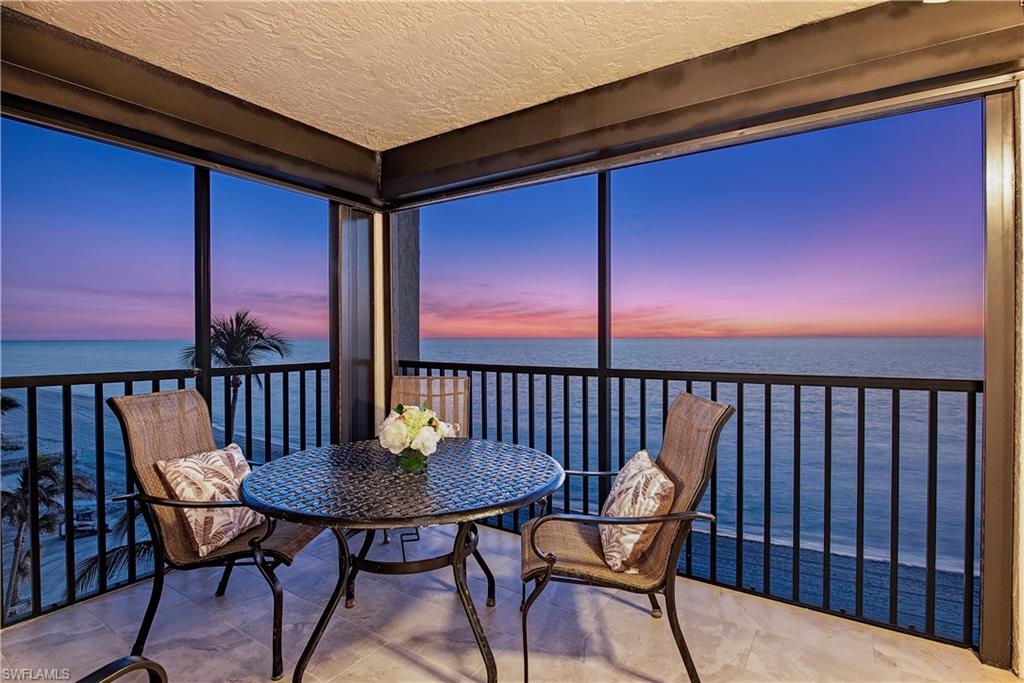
(385,73)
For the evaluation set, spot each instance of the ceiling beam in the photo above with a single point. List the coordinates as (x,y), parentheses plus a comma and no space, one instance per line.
(881,51)
(53,76)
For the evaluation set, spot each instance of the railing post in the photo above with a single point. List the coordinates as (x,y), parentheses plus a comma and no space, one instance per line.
(604,330)
(202,281)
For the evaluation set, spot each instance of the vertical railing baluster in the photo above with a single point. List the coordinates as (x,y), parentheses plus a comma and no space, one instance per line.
(766,570)
(129,487)
(531,414)
(826,505)
(181,383)
(101,488)
(585,457)
(714,487)
(859,579)
(499,418)
(739,484)
(688,549)
(69,494)
(664,405)
(566,462)
(318,387)
(33,498)
(548,439)
(267,435)
(229,431)
(969,484)
(515,409)
(643,413)
(469,414)
(302,410)
(796,492)
(933,466)
(894,510)
(285,429)
(622,421)
(248,415)
(483,404)
(155,386)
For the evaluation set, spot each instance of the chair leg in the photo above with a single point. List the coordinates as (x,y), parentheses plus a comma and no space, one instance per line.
(275,586)
(538,586)
(655,608)
(223,585)
(677,633)
(154,603)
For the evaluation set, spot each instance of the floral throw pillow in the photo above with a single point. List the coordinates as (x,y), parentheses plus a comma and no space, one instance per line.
(641,489)
(209,477)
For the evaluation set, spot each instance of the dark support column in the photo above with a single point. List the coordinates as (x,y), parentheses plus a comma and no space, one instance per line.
(202,279)
(998,447)
(387,305)
(604,327)
(351,322)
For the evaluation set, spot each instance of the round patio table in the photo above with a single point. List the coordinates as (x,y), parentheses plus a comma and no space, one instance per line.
(359,486)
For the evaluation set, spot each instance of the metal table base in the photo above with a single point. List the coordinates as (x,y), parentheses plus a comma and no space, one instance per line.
(465,545)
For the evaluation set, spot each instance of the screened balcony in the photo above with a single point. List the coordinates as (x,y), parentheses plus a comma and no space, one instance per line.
(782,236)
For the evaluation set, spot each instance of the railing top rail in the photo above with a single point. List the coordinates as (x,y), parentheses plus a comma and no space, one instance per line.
(27,381)
(839,381)
(279,367)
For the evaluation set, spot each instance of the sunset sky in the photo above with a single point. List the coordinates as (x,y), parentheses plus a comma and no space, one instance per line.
(872,229)
(97,244)
(869,229)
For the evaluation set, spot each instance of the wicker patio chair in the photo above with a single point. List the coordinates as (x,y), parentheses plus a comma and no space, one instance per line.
(446,396)
(567,547)
(171,424)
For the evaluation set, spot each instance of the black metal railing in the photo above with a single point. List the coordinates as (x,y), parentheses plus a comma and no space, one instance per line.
(63,537)
(852,495)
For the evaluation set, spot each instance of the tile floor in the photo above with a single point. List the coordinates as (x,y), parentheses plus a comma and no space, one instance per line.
(413,628)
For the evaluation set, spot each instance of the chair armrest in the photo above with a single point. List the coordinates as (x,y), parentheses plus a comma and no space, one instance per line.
(125,666)
(253,463)
(685,516)
(585,473)
(170,502)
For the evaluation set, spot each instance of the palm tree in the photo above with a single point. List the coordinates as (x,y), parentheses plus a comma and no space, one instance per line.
(16,510)
(235,340)
(87,571)
(8,404)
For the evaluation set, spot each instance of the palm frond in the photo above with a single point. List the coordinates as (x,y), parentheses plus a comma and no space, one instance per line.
(87,572)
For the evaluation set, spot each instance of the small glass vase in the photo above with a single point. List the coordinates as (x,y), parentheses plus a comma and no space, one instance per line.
(412,461)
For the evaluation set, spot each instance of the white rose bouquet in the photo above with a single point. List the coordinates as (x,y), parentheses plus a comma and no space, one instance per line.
(414,432)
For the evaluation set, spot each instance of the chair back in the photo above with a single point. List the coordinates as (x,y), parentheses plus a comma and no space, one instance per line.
(687,457)
(446,396)
(163,426)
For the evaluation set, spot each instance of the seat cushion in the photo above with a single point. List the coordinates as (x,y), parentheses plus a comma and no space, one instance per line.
(207,477)
(286,542)
(641,489)
(577,550)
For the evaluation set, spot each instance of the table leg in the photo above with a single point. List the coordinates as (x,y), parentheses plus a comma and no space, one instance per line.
(459,555)
(332,603)
(350,592)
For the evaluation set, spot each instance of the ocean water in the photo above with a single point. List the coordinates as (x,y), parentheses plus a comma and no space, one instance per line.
(901,357)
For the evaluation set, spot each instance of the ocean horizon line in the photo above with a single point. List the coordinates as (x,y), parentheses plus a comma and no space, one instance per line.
(542,338)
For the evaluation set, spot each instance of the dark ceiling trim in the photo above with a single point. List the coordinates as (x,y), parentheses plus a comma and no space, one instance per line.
(59,78)
(882,51)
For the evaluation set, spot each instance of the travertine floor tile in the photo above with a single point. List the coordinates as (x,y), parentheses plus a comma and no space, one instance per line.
(413,628)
